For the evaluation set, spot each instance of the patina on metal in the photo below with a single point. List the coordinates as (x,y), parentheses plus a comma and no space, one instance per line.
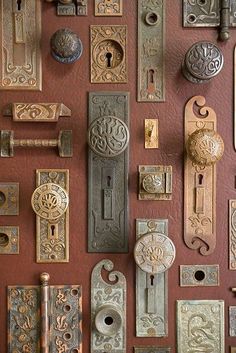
(108,138)
(232,234)
(45,319)
(151,47)
(9,199)
(108,310)
(199,275)
(9,240)
(232,321)
(152,349)
(63,143)
(71,7)
(108,7)
(151,133)
(50,202)
(20,63)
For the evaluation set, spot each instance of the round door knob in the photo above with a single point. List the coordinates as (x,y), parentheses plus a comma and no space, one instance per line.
(203,61)
(205,147)
(154,253)
(108,320)
(50,201)
(66,46)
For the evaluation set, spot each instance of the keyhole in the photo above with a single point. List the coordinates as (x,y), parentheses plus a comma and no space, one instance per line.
(151,76)
(108,180)
(152,280)
(109,57)
(18,4)
(200,179)
(52,230)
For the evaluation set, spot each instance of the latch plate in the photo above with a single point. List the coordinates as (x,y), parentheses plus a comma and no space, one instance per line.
(199,275)
(9,199)
(9,240)
(108,7)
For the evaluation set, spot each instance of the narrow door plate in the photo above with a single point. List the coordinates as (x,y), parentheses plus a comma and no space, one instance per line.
(152,349)
(205,316)
(199,275)
(9,199)
(151,133)
(9,240)
(108,310)
(20,63)
(232,321)
(151,47)
(108,172)
(108,7)
(232,234)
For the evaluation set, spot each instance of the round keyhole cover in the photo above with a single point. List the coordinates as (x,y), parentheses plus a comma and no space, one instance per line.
(154,253)
(108,136)
(50,201)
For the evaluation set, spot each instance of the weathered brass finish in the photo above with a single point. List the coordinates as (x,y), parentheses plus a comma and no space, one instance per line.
(45,319)
(155,182)
(20,59)
(232,321)
(205,317)
(232,349)
(152,349)
(50,202)
(108,7)
(199,275)
(108,310)
(151,133)
(151,46)
(108,138)
(63,143)
(9,240)
(71,7)
(205,147)
(9,199)
(36,112)
(232,234)
(108,54)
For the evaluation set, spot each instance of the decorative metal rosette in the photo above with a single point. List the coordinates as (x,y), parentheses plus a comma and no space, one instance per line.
(152,183)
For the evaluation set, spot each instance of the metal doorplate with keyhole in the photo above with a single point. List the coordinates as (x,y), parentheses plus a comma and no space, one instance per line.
(199,275)
(108,7)
(151,46)
(232,321)
(151,133)
(9,240)
(152,349)
(108,138)
(45,318)
(108,54)
(50,203)
(232,234)
(205,316)
(71,8)
(155,182)
(20,63)
(9,199)
(108,310)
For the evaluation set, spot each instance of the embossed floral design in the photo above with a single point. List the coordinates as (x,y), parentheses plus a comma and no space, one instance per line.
(199,223)
(151,320)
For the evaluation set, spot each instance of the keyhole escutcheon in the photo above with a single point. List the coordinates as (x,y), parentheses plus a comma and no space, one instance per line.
(108,181)
(52,230)
(19,4)
(109,58)
(152,280)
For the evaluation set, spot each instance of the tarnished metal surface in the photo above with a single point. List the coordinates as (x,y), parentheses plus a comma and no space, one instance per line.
(71,7)
(199,275)
(108,310)
(151,133)
(152,349)
(151,46)
(9,199)
(232,234)
(66,46)
(200,326)
(20,60)
(232,321)
(9,240)
(108,172)
(108,7)
(232,349)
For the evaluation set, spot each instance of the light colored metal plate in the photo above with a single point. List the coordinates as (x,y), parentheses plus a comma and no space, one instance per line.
(232,321)
(108,7)
(200,326)
(151,46)
(232,235)
(9,240)
(9,199)
(20,59)
(151,133)
(232,349)
(199,275)
(152,349)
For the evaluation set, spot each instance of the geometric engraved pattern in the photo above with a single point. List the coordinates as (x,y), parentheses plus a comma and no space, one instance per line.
(108,7)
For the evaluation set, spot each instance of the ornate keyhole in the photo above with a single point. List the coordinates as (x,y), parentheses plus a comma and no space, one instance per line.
(19,4)
(200,179)
(109,59)
(52,230)
(109,181)
(151,76)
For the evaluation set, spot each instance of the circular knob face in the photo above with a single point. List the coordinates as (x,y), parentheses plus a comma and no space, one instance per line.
(154,253)
(152,183)
(108,321)
(205,147)
(108,136)
(50,201)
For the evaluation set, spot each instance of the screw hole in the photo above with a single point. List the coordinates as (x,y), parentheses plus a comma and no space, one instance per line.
(191,18)
(199,275)
(201,2)
(4,240)
(2,198)
(67,308)
(108,320)
(67,336)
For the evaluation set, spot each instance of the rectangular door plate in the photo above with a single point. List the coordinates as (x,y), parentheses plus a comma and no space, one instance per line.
(206,316)
(9,199)
(152,349)
(151,47)
(9,240)
(20,59)
(232,321)
(108,174)
(108,7)
(151,133)
(199,275)
(76,7)
(232,234)
(155,323)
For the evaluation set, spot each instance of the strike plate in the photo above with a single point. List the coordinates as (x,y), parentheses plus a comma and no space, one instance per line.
(232,321)
(199,275)
(9,240)
(108,54)
(52,216)
(108,172)
(204,317)
(151,46)
(20,62)
(108,310)
(108,7)
(151,349)
(151,133)
(57,327)
(9,199)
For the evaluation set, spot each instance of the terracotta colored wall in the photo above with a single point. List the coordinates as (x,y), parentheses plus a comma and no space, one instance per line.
(70,84)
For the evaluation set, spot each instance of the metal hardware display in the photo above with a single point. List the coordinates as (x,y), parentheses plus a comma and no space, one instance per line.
(204,147)
(151,133)
(63,143)
(108,7)
(203,61)
(108,310)
(199,275)
(71,7)
(152,349)
(36,112)
(232,349)
(108,54)
(9,240)
(50,202)
(151,46)
(155,182)
(45,319)
(232,321)
(108,138)
(210,13)
(232,234)
(9,199)
(205,317)
(20,63)
(154,254)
